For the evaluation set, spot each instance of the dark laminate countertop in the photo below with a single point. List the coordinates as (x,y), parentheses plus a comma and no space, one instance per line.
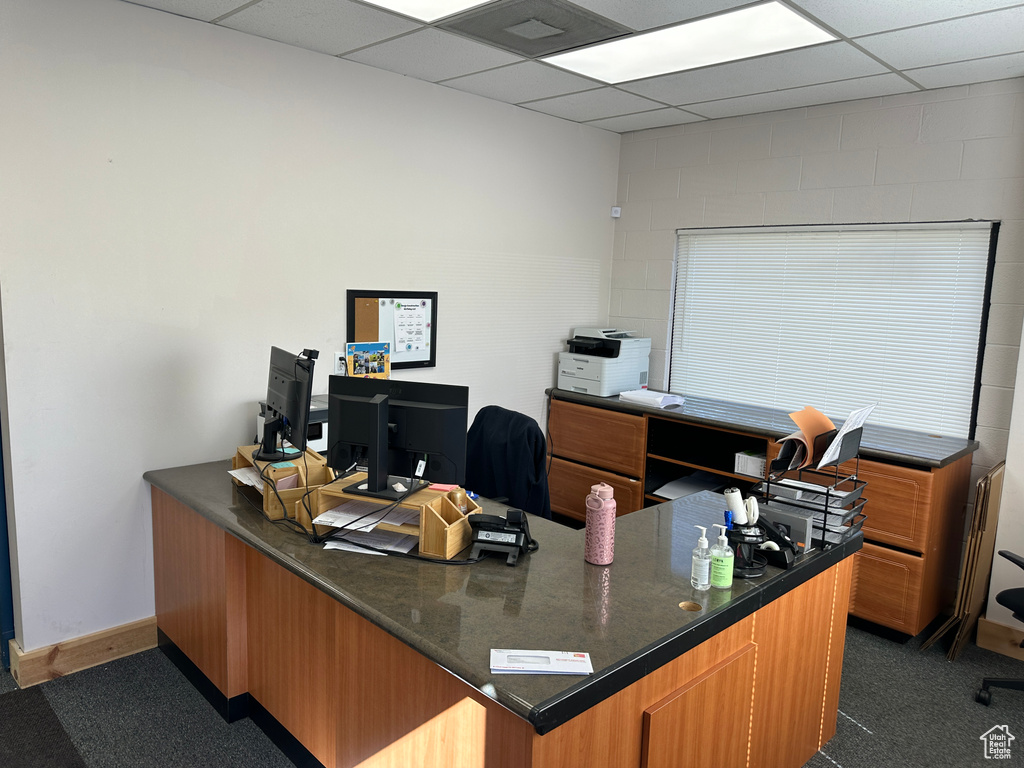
(900,446)
(626,615)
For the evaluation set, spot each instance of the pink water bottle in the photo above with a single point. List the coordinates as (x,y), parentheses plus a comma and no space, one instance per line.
(599,544)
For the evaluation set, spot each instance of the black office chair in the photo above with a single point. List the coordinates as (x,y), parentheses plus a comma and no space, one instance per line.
(1014,600)
(506,460)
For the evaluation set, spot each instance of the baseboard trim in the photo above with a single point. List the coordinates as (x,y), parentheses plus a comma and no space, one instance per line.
(238,707)
(282,738)
(30,668)
(1000,638)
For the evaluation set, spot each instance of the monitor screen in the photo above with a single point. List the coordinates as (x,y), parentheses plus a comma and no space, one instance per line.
(395,426)
(289,392)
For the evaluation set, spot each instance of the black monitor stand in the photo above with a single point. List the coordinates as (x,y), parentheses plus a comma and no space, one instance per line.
(269,449)
(379,484)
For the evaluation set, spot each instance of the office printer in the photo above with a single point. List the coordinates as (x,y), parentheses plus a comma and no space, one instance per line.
(603,362)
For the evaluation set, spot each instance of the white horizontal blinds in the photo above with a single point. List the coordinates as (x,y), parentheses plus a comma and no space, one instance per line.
(834,318)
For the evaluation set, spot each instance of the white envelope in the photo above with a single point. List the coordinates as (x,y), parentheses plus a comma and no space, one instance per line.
(519,662)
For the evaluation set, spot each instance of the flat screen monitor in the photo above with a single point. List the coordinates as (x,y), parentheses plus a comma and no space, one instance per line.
(289,392)
(394,426)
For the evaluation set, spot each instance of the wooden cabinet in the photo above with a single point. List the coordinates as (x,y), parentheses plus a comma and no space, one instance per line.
(677,448)
(667,745)
(594,445)
(569,483)
(903,578)
(906,573)
(607,439)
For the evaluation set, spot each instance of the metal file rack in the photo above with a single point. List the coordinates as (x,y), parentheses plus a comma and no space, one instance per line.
(833,499)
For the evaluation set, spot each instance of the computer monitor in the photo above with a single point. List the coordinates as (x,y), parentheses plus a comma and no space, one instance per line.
(393,426)
(289,391)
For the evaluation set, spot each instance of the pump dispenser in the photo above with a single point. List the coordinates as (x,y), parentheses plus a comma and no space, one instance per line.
(700,572)
(721,561)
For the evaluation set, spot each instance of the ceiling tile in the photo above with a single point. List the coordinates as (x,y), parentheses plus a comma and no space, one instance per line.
(204,10)
(807,66)
(432,55)
(594,105)
(964,72)
(825,93)
(327,26)
(527,81)
(656,13)
(989,34)
(658,118)
(865,17)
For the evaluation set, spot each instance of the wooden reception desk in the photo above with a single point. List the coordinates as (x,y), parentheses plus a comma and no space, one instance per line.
(349,659)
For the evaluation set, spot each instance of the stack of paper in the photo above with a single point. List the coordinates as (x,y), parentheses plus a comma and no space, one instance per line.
(506,662)
(385,540)
(248,475)
(651,398)
(690,484)
(366,515)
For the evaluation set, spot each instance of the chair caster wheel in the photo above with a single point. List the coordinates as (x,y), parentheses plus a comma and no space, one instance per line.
(983,696)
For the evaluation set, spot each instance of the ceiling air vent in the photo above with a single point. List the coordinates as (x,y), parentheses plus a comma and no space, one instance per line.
(534,28)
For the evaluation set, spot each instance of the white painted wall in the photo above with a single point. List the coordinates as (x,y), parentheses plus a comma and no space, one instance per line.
(950,154)
(177,198)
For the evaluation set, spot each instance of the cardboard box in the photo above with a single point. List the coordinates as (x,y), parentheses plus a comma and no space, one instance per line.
(750,463)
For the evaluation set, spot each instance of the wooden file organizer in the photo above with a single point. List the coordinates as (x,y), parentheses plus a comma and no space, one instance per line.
(273,472)
(443,530)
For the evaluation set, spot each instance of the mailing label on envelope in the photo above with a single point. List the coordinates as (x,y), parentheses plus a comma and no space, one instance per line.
(519,662)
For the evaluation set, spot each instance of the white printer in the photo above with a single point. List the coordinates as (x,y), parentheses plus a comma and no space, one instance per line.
(603,362)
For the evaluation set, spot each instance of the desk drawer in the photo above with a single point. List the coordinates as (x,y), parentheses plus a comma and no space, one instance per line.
(569,484)
(899,504)
(887,588)
(599,437)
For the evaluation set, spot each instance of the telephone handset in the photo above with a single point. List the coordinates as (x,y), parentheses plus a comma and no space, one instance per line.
(509,535)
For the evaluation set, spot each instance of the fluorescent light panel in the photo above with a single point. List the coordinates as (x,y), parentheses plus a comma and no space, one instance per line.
(754,31)
(427,10)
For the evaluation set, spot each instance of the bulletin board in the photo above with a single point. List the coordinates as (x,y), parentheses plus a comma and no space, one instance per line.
(406,319)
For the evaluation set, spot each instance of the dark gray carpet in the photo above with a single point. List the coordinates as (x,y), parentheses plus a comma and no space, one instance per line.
(31,736)
(141,712)
(898,707)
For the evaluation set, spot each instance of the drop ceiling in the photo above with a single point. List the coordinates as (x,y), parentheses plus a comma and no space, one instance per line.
(881,47)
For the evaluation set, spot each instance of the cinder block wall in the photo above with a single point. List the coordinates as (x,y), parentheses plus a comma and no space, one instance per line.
(949,154)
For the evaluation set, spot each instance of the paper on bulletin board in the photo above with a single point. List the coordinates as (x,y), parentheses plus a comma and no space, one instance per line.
(369,360)
(406,324)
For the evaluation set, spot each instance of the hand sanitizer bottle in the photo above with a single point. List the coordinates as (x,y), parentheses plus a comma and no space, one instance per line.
(721,562)
(700,571)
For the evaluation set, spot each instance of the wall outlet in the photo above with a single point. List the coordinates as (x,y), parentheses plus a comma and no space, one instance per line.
(339,363)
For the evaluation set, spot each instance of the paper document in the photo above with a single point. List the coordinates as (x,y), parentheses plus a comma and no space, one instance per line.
(651,398)
(286,483)
(365,516)
(248,475)
(386,540)
(694,483)
(506,662)
(853,421)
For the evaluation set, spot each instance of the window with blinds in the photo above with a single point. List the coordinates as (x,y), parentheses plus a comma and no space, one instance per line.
(836,318)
